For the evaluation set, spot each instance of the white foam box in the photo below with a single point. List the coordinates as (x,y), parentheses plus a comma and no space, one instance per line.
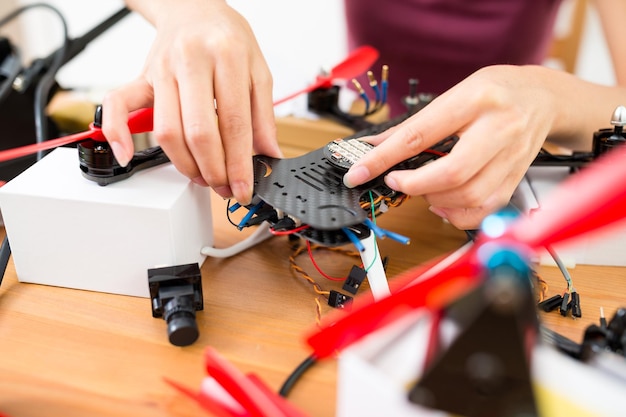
(606,247)
(68,231)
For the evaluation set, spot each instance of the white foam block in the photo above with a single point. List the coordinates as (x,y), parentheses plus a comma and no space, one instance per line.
(65,230)
(599,248)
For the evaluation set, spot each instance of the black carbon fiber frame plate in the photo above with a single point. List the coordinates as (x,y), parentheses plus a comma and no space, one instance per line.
(309,188)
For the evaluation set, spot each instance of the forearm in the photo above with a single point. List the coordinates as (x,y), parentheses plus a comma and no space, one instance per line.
(580,107)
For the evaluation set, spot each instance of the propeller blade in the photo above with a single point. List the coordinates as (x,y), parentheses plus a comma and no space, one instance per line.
(587,201)
(356,63)
(210,404)
(319,83)
(26,150)
(139,121)
(433,292)
(242,389)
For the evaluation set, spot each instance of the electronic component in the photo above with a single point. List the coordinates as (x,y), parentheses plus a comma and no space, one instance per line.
(176,295)
(607,139)
(98,164)
(344,153)
(575,305)
(551,303)
(605,337)
(338,300)
(564,305)
(310,187)
(355,279)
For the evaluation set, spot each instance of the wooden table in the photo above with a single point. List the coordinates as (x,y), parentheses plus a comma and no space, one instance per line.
(75,353)
(66,352)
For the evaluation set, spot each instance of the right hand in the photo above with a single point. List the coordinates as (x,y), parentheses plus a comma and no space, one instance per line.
(204,53)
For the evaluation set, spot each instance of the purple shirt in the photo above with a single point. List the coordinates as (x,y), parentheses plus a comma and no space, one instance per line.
(441,42)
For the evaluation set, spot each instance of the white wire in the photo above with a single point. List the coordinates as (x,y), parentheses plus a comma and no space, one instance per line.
(259,235)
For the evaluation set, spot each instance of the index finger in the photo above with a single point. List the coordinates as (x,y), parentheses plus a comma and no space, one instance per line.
(435,122)
(233,96)
(116,106)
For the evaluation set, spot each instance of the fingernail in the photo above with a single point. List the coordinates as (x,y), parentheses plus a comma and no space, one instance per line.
(355,176)
(391,182)
(224,192)
(120,154)
(242,192)
(439,212)
(200,181)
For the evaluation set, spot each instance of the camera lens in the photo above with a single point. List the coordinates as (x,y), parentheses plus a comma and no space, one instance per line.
(180,316)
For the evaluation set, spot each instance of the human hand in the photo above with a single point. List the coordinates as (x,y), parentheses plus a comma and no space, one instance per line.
(205,60)
(502,115)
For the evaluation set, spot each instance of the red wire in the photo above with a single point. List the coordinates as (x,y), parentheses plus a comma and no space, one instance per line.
(308,246)
(289,232)
(434,152)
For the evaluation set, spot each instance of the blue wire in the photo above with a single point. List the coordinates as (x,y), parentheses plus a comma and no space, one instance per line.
(382,233)
(378,231)
(398,237)
(384,94)
(234,207)
(354,239)
(248,216)
(367,102)
(376,92)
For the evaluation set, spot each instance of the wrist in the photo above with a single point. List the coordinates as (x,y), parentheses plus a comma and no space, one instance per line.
(154,11)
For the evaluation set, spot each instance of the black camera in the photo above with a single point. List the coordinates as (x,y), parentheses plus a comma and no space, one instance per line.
(176,295)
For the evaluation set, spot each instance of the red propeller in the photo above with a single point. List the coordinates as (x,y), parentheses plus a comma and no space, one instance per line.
(588,201)
(357,62)
(250,396)
(140,121)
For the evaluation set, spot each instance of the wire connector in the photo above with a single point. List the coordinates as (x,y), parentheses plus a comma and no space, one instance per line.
(355,279)
(551,303)
(564,304)
(575,305)
(339,300)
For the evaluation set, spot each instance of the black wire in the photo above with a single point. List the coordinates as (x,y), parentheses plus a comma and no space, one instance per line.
(296,375)
(47,81)
(7,18)
(68,50)
(13,71)
(471,234)
(42,90)
(228,214)
(560,342)
(553,254)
